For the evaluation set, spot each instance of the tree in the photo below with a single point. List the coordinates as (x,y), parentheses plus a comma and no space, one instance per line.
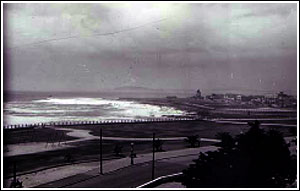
(227,141)
(193,140)
(254,159)
(16,184)
(68,157)
(158,145)
(118,150)
(293,131)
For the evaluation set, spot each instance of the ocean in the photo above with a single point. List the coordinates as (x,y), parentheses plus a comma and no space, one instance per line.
(26,108)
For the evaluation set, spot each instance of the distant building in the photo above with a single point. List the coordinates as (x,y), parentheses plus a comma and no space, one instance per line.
(246,98)
(270,99)
(198,94)
(284,100)
(281,96)
(239,97)
(171,97)
(229,96)
(272,96)
(234,97)
(215,97)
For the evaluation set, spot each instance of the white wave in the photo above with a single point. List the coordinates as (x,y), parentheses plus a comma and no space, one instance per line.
(48,111)
(146,110)
(111,109)
(34,111)
(129,107)
(80,101)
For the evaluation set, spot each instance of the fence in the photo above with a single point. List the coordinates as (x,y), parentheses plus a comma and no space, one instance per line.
(100,122)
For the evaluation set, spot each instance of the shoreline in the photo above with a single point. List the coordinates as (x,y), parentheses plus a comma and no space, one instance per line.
(189,107)
(163,110)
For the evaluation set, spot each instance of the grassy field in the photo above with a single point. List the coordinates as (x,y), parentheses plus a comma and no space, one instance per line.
(205,129)
(17,136)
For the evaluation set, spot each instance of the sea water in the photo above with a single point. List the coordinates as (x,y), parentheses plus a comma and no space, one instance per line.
(57,109)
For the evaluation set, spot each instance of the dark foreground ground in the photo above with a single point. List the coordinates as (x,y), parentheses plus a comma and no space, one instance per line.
(89,150)
(127,177)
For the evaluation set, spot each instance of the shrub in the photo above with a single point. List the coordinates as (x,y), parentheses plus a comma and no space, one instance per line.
(254,159)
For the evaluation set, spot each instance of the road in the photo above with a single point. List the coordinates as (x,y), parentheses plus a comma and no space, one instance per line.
(128,177)
(238,122)
(81,171)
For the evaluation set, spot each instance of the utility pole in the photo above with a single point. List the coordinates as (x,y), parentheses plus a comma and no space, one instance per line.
(132,155)
(101,162)
(15,183)
(15,174)
(153,156)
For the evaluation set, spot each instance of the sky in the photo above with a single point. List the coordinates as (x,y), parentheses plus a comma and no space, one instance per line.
(100,46)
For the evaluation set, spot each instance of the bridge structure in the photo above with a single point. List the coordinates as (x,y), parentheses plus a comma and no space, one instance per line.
(100,122)
(147,120)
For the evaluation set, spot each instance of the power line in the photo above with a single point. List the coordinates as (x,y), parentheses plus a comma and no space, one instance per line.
(92,35)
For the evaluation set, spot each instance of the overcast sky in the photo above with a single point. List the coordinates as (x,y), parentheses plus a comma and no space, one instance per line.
(88,47)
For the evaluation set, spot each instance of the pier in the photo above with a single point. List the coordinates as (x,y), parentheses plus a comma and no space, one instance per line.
(100,122)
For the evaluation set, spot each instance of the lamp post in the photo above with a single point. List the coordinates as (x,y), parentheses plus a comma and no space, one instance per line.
(132,155)
(153,155)
(101,162)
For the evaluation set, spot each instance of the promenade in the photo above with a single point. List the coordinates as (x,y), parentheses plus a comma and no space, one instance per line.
(71,174)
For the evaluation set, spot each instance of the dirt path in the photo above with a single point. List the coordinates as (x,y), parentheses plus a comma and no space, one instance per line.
(81,135)
(36,147)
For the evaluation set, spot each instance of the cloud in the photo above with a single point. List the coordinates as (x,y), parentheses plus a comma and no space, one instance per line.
(150,40)
(268,9)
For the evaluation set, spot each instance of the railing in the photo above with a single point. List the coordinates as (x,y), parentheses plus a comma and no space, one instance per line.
(162,179)
(100,122)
